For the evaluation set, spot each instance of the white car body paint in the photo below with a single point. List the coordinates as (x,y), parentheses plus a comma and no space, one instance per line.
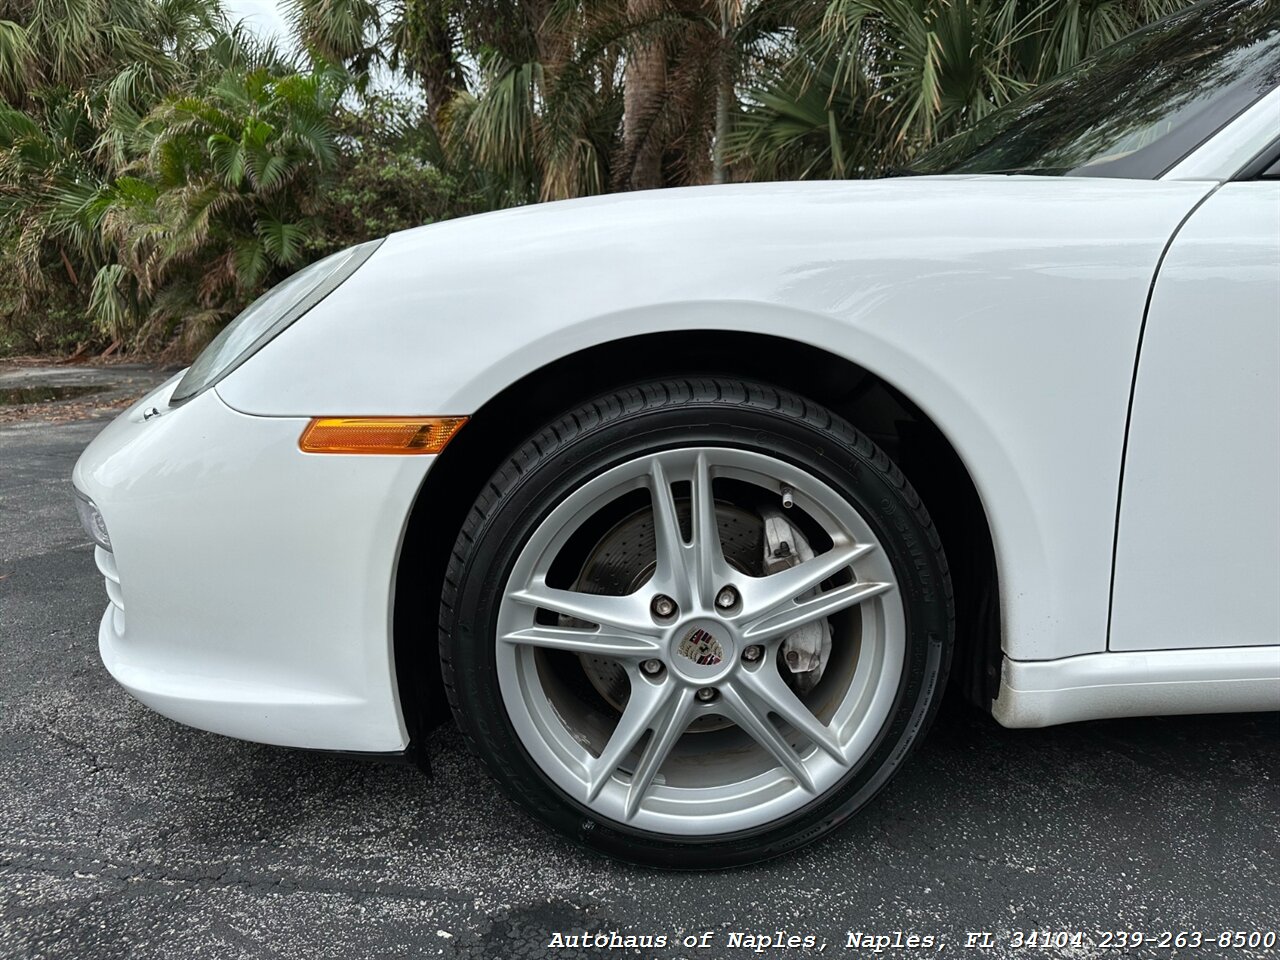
(258,581)
(1007,309)
(253,577)
(1098,686)
(1198,552)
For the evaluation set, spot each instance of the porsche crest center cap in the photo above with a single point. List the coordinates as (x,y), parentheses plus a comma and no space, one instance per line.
(701,647)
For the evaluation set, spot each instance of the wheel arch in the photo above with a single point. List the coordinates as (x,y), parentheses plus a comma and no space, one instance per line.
(868,401)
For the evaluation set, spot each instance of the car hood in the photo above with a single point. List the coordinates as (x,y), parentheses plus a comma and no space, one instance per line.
(679,205)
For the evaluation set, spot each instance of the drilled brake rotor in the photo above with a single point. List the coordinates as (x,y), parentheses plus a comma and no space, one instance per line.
(623,561)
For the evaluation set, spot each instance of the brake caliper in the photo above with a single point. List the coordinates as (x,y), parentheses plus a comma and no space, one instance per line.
(805,650)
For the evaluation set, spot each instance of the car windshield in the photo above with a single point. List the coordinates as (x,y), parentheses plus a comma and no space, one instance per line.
(1135,109)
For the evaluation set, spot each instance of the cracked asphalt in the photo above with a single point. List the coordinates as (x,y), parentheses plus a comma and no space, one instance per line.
(123,834)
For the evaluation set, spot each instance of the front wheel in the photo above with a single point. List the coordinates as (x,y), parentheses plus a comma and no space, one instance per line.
(696,623)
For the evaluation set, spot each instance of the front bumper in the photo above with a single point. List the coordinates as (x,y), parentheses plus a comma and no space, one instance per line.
(251,584)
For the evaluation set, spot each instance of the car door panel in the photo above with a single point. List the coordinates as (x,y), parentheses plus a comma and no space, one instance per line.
(1198,539)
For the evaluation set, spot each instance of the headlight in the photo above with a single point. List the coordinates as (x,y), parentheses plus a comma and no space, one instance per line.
(271,313)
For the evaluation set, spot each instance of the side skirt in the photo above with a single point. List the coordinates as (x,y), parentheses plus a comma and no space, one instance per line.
(1099,686)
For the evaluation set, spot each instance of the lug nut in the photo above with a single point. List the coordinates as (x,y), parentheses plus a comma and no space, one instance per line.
(726,598)
(753,653)
(651,667)
(663,606)
(707,694)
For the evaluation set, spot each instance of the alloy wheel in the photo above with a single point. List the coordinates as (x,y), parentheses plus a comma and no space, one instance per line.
(706,731)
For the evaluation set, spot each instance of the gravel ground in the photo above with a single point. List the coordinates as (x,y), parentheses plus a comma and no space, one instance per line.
(123,834)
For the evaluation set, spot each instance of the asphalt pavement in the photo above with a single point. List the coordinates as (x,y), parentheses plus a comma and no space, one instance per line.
(123,834)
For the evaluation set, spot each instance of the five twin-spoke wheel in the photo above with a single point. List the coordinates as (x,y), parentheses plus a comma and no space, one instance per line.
(700,638)
(687,628)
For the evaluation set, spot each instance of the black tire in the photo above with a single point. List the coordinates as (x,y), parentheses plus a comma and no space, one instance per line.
(612,429)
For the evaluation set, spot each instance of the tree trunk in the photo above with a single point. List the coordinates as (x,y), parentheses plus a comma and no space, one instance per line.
(730,18)
(429,51)
(724,98)
(646,81)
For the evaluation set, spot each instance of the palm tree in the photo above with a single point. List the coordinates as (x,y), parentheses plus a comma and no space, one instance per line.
(547,109)
(156,159)
(47,182)
(346,32)
(576,98)
(223,200)
(75,76)
(73,43)
(159,165)
(873,82)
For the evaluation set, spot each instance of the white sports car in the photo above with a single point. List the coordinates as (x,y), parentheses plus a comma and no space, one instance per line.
(689,503)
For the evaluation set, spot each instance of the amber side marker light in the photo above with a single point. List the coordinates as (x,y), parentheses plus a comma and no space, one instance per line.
(394,435)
